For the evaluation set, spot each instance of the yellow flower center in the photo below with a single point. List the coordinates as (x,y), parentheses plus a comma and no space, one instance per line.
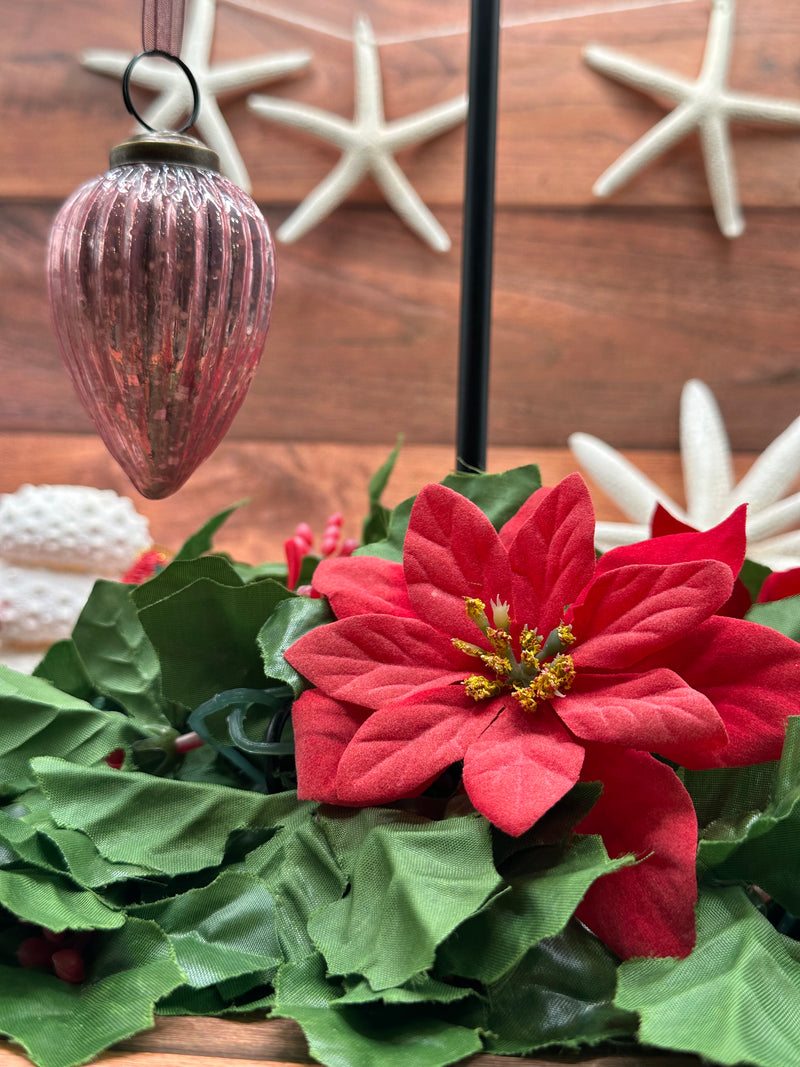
(540,669)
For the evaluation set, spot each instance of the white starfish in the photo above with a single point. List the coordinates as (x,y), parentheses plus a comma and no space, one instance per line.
(706,104)
(175,97)
(368,144)
(708,482)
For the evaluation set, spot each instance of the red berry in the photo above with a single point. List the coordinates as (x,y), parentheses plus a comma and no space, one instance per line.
(68,965)
(53,937)
(34,952)
(115,758)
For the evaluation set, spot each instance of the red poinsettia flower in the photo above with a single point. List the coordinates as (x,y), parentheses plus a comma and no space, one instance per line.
(538,666)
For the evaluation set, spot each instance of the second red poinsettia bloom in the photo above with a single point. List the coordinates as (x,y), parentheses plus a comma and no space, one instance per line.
(539,666)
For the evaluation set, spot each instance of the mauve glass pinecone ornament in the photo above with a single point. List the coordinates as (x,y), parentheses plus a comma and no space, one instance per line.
(161,276)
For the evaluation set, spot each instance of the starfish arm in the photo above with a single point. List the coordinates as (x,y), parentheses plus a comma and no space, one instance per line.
(721,173)
(170,106)
(658,140)
(214,131)
(719,44)
(781,553)
(773,473)
(368,88)
(407,203)
(425,124)
(112,64)
(774,519)
(748,107)
(630,490)
(199,34)
(705,455)
(647,77)
(312,120)
(243,73)
(324,199)
(609,535)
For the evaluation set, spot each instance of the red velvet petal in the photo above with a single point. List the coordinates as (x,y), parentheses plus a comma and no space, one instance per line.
(363,585)
(664,523)
(552,556)
(372,660)
(726,542)
(752,676)
(510,530)
(779,585)
(322,729)
(452,551)
(644,711)
(630,612)
(520,767)
(405,745)
(647,909)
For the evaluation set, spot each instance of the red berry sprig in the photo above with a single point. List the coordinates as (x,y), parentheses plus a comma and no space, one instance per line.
(58,951)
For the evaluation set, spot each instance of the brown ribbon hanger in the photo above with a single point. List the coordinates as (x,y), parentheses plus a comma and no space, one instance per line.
(162,25)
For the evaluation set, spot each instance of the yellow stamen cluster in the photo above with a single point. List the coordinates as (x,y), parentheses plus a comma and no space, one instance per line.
(532,679)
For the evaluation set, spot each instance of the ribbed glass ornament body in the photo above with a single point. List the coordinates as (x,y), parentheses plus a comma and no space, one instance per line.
(161,279)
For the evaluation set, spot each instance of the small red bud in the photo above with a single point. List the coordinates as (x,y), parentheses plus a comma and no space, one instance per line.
(115,758)
(54,937)
(34,952)
(68,965)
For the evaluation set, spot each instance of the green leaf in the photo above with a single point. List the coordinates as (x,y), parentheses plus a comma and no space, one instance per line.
(410,886)
(735,999)
(396,1036)
(205,637)
(119,660)
(753,575)
(420,989)
(291,618)
(220,931)
(203,541)
(36,718)
(37,841)
(376,525)
(62,667)
(62,1025)
(54,902)
(560,993)
(302,875)
(766,852)
(781,615)
(163,825)
(181,573)
(499,496)
(537,904)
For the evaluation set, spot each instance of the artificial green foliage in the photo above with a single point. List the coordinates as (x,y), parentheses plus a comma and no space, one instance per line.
(376,524)
(36,718)
(344,1036)
(117,657)
(735,999)
(499,496)
(410,934)
(288,622)
(385,931)
(535,904)
(61,1025)
(561,992)
(780,615)
(207,631)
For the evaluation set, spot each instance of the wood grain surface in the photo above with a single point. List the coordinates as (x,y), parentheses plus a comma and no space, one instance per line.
(197,1042)
(601,310)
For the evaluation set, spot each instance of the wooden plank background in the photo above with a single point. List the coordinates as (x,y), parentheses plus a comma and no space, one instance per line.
(602,310)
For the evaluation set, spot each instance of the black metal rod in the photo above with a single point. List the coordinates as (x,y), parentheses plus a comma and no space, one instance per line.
(476,264)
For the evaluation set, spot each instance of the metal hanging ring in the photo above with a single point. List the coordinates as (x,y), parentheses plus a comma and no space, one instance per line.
(126,88)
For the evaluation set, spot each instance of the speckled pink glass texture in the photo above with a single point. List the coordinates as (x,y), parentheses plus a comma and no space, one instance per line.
(161,280)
